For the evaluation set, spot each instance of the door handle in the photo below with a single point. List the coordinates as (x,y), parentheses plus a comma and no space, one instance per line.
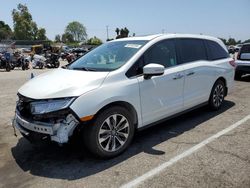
(190,73)
(178,76)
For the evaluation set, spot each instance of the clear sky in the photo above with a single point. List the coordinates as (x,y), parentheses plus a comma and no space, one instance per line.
(221,18)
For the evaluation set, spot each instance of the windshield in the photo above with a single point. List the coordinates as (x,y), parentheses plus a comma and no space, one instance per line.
(109,56)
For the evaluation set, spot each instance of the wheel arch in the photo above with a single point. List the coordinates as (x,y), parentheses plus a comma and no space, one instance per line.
(122,104)
(225,82)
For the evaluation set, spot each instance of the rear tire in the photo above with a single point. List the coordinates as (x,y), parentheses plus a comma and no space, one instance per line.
(40,66)
(8,68)
(57,64)
(217,95)
(110,133)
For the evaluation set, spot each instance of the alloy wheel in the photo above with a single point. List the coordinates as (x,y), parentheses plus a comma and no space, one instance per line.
(218,95)
(113,132)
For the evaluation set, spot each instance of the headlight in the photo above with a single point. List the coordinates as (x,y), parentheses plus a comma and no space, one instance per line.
(43,107)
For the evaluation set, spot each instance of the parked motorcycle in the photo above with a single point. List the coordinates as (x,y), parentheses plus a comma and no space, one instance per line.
(53,61)
(38,61)
(5,63)
(20,62)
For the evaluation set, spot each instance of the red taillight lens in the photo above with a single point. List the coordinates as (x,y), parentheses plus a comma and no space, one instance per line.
(232,62)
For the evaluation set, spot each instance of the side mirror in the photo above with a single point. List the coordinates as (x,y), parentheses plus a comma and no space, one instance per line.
(153,70)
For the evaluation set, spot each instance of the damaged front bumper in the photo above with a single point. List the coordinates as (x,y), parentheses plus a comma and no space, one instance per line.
(58,132)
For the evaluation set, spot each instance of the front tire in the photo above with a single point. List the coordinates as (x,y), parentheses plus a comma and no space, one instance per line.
(217,95)
(110,133)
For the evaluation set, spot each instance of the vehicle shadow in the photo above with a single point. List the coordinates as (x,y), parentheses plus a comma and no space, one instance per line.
(72,163)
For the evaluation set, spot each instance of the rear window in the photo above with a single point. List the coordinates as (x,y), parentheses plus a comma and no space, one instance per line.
(245,49)
(215,51)
(244,53)
(191,50)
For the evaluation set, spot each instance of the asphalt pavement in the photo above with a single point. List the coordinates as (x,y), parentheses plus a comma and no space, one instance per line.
(223,162)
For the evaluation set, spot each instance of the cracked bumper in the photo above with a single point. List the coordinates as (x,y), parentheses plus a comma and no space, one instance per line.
(38,127)
(59,132)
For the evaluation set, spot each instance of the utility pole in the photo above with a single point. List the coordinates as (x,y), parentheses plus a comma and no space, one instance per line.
(107,27)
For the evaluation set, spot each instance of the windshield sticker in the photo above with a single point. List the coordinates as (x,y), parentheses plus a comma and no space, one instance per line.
(133,46)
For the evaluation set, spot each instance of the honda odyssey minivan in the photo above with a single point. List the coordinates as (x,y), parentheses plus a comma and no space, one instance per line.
(123,86)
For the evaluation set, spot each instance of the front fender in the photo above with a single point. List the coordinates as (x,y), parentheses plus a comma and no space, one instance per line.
(91,102)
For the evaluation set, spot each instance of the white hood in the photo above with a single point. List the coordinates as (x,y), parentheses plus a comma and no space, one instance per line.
(62,83)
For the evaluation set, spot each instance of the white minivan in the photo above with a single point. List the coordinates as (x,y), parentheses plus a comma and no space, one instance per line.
(123,86)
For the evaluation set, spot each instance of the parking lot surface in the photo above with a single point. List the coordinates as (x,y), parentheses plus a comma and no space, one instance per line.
(223,162)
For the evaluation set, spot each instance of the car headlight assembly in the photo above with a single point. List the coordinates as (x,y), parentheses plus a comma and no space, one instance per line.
(44,107)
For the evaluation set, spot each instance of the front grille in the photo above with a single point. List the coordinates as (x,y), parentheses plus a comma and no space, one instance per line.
(23,106)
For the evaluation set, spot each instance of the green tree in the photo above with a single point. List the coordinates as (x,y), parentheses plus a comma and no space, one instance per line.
(231,41)
(223,40)
(247,41)
(57,38)
(34,30)
(117,30)
(5,31)
(94,41)
(126,32)
(24,27)
(67,38)
(22,22)
(77,30)
(123,33)
(238,42)
(41,34)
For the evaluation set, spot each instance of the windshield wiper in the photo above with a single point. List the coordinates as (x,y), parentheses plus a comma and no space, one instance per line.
(85,68)
(81,68)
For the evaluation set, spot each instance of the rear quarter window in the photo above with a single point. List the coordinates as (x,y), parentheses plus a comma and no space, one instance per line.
(191,50)
(215,51)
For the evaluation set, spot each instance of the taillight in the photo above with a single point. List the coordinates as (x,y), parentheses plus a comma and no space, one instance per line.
(232,62)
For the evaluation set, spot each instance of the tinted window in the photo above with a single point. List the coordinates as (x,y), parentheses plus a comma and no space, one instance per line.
(162,53)
(136,69)
(244,52)
(192,50)
(215,51)
(245,49)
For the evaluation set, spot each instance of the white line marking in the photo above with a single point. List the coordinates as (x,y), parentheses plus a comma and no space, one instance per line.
(188,152)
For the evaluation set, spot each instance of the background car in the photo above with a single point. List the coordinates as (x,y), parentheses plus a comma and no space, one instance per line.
(243,61)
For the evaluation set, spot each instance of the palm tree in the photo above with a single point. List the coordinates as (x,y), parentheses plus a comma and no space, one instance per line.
(117,31)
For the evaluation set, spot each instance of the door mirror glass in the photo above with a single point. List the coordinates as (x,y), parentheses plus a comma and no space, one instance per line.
(153,70)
